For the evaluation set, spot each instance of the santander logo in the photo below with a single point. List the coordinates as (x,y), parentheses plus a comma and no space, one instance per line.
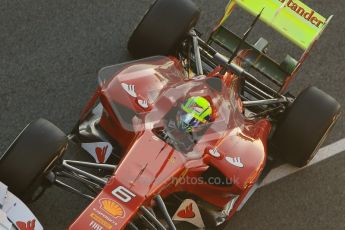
(100,152)
(187,213)
(307,15)
(30,225)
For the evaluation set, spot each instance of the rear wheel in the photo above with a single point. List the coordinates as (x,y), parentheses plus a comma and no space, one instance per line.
(163,28)
(30,157)
(307,123)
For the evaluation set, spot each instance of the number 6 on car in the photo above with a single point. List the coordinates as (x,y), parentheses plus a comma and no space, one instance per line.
(123,194)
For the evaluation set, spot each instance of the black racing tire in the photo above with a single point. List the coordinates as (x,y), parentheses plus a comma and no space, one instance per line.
(32,154)
(163,28)
(305,126)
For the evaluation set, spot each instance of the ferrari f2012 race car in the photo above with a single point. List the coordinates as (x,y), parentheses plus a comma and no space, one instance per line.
(179,138)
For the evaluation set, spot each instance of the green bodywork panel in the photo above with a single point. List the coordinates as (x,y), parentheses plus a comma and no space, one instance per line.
(292,18)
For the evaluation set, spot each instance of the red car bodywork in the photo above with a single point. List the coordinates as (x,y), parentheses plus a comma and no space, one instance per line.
(149,165)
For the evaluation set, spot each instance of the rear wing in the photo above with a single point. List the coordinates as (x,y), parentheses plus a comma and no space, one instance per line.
(293,19)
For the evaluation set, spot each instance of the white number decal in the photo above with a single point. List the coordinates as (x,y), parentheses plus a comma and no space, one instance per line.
(123,194)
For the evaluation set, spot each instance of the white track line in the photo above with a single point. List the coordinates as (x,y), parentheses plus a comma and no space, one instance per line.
(286,169)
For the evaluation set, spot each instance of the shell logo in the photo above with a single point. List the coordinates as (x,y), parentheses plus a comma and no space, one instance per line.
(112,208)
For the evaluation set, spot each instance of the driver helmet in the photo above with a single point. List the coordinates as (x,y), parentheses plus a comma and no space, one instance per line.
(193,114)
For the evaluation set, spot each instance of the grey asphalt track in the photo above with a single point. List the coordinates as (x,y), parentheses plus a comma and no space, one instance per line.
(50,52)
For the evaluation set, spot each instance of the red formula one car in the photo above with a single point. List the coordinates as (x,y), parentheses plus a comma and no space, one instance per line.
(180,138)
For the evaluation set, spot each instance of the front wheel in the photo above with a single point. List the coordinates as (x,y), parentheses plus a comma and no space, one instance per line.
(305,126)
(33,153)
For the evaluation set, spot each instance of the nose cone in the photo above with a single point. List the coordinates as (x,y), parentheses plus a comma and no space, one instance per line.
(152,163)
(149,166)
